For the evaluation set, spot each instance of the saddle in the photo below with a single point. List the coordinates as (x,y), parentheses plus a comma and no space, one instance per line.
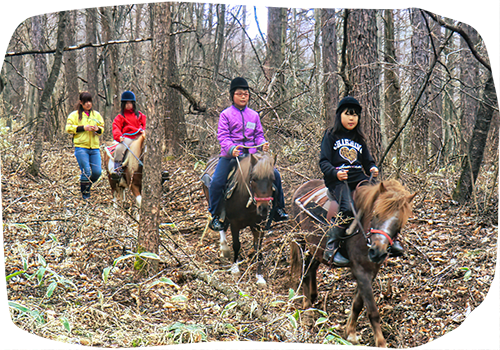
(320,204)
(231,182)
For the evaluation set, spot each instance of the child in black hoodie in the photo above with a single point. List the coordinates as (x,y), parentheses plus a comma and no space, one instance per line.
(344,159)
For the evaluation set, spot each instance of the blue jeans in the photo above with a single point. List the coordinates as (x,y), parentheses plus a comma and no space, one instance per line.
(89,161)
(218,184)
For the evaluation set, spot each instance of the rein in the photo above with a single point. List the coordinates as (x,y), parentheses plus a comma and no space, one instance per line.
(357,217)
(140,162)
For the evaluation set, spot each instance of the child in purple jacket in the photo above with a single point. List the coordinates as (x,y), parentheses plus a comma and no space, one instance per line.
(239,126)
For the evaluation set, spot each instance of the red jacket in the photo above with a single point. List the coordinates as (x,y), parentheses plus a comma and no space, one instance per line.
(129,125)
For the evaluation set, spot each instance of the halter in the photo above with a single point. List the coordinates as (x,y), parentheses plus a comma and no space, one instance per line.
(371,231)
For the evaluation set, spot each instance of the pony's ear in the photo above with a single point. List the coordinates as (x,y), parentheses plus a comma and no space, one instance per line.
(410,197)
(381,188)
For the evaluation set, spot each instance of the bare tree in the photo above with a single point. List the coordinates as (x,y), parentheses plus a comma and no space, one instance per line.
(330,80)
(70,66)
(91,55)
(44,107)
(488,105)
(148,239)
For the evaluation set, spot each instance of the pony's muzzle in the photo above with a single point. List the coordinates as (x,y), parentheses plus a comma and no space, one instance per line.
(377,254)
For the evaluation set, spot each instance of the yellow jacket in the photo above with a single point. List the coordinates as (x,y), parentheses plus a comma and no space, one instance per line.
(85,139)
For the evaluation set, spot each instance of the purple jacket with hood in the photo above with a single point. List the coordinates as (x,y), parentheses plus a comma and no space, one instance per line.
(239,128)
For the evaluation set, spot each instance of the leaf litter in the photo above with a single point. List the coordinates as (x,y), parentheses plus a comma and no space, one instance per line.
(446,273)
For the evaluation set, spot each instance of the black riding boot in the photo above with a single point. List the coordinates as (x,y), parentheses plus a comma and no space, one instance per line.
(333,236)
(396,250)
(85,189)
(280,215)
(117,171)
(215,224)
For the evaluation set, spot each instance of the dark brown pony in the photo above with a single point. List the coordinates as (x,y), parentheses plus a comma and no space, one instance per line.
(248,206)
(383,209)
(132,174)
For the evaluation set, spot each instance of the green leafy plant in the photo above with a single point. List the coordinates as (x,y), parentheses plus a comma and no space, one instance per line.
(45,274)
(183,333)
(26,311)
(334,338)
(142,255)
(468,273)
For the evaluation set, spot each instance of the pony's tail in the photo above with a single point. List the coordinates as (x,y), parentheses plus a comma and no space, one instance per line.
(296,264)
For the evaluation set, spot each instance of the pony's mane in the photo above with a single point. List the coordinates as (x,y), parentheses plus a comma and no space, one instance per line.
(369,199)
(264,168)
(137,147)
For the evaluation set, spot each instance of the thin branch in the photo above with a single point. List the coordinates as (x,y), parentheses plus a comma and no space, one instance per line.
(195,104)
(251,44)
(82,46)
(459,30)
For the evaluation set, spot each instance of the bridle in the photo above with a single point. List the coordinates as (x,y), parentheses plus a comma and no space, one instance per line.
(252,199)
(371,231)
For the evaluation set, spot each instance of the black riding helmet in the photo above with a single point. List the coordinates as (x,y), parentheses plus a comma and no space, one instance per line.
(349,101)
(237,83)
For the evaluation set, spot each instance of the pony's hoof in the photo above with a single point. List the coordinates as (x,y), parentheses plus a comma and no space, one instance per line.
(235,270)
(261,282)
(353,339)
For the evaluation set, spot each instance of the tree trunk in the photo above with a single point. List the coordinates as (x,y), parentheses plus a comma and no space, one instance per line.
(43,109)
(38,41)
(91,56)
(70,67)
(363,56)
(474,157)
(420,61)
(392,86)
(330,80)
(219,39)
(175,124)
(274,54)
(148,239)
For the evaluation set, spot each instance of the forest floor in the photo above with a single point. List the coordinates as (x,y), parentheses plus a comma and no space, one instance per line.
(63,244)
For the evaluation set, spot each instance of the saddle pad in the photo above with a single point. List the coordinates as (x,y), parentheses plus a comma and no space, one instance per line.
(111,148)
(231,183)
(315,203)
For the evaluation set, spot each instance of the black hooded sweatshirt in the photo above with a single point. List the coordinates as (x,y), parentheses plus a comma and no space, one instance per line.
(340,152)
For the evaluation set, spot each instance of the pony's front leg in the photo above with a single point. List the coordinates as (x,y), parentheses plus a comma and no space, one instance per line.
(364,295)
(352,322)
(224,248)
(258,236)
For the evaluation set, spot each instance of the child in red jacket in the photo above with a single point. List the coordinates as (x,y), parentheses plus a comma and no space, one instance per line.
(127,126)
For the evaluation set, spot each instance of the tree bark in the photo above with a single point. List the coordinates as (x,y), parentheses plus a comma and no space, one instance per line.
(219,39)
(70,67)
(91,56)
(474,157)
(420,60)
(175,124)
(38,41)
(330,79)
(148,237)
(43,109)
(365,73)
(274,53)
(392,86)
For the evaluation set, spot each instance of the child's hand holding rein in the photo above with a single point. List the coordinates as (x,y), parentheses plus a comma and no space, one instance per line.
(342,175)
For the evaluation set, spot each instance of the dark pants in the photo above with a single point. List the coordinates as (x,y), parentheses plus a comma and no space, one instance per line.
(343,196)
(218,185)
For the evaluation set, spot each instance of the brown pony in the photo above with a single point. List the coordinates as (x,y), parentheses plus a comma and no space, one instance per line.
(248,206)
(132,172)
(383,210)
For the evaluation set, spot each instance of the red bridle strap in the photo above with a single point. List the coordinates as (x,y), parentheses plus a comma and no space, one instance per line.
(383,233)
(265,199)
